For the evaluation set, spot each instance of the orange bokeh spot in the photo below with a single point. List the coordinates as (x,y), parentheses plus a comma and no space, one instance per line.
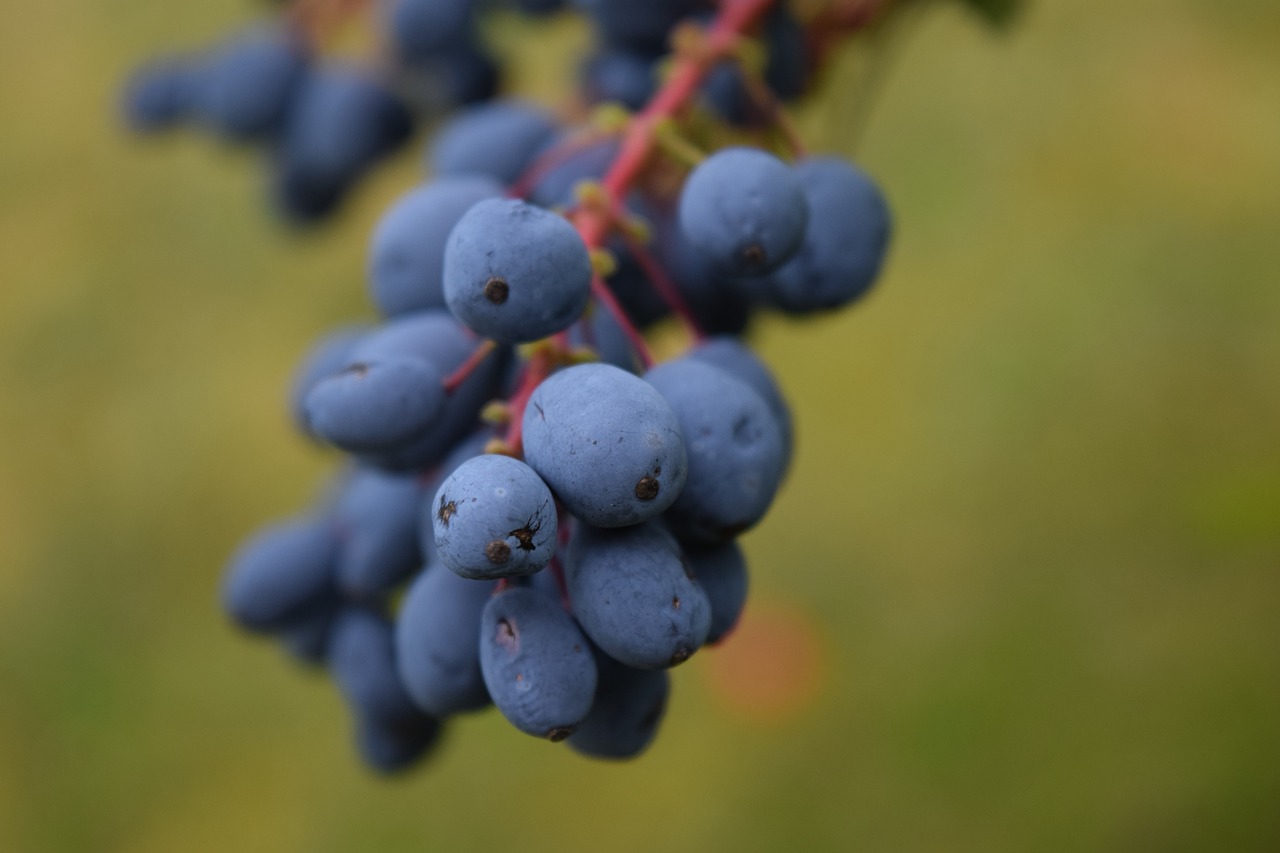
(771,667)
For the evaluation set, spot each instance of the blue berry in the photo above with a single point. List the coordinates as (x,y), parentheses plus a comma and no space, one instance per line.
(790,66)
(282,574)
(406,257)
(498,139)
(494,518)
(363,661)
(745,210)
(606,443)
(390,747)
(436,338)
(721,571)
(638,24)
(537,665)
(628,707)
(515,272)
(341,123)
(248,85)
(844,245)
(391,732)
(377,515)
(634,596)
(620,76)
(737,359)
(437,642)
(325,358)
(420,30)
(372,406)
(735,449)
(160,95)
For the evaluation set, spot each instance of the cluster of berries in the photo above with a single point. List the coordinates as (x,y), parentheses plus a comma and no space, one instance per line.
(536,514)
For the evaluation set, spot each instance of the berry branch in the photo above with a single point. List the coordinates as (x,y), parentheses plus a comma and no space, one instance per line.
(596,221)
(641,139)
(650,131)
(652,470)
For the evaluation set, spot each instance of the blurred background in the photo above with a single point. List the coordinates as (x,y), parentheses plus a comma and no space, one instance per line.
(1021,592)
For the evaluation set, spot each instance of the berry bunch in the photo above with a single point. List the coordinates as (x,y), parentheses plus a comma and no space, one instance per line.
(322,122)
(536,514)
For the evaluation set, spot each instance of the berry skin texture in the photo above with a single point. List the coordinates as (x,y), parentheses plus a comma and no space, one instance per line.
(437,339)
(363,664)
(340,123)
(844,246)
(722,573)
(736,451)
(514,272)
(372,406)
(377,513)
(248,84)
(497,139)
(736,358)
(635,597)
(606,443)
(494,518)
(438,653)
(406,257)
(325,358)
(281,575)
(391,732)
(472,445)
(624,718)
(536,663)
(745,210)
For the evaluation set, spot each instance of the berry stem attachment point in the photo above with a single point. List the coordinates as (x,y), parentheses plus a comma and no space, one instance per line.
(540,364)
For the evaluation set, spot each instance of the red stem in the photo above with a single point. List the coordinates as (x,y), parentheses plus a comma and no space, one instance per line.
(464,370)
(319,20)
(538,369)
(735,18)
(557,573)
(605,296)
(563,534)
(596,222)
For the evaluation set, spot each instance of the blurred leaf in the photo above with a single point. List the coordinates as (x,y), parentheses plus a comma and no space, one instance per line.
(997,13)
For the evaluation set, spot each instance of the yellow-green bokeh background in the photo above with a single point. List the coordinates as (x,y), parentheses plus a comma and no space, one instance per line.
(1035,516)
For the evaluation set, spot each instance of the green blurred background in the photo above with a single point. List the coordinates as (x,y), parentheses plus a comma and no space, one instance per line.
(1028,556)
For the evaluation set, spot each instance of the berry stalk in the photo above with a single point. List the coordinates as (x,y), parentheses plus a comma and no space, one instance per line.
(595,222)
